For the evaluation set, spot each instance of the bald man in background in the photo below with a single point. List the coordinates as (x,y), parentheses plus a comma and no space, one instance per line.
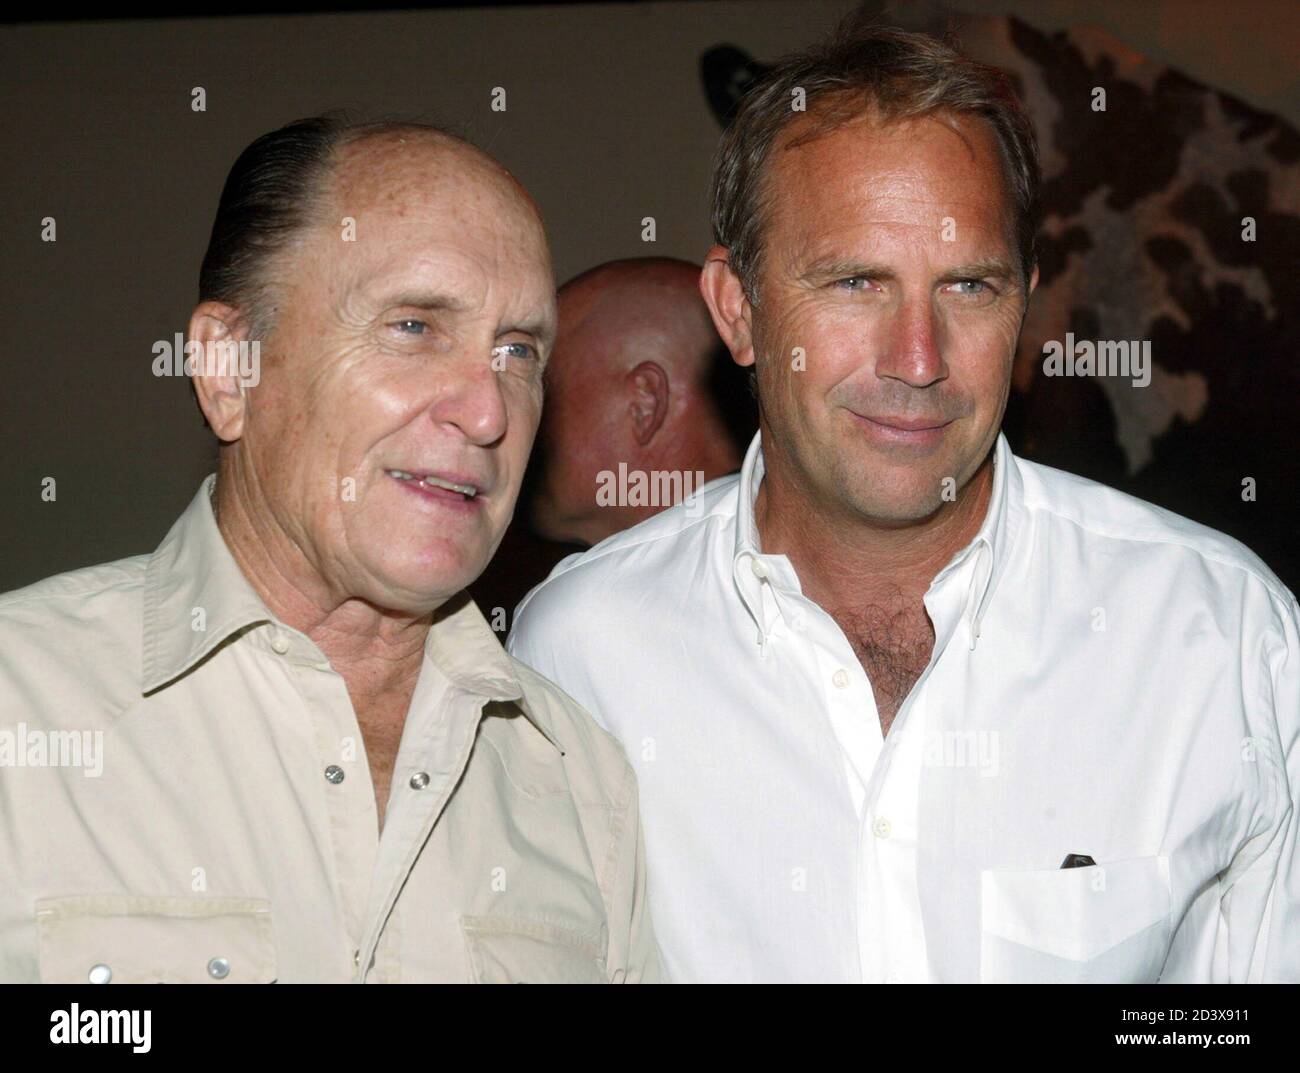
(639,377)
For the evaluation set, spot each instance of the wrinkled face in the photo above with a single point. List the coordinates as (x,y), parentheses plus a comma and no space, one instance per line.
(396,412)
(889,259)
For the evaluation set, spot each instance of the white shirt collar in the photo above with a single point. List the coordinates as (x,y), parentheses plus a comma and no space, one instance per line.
(755,572)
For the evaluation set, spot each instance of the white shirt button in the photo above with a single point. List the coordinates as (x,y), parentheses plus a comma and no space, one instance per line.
(757,565)
(334,774)
(881,828)
(419,780)
(219,968)
(280,644)
(840,678)
(100,974)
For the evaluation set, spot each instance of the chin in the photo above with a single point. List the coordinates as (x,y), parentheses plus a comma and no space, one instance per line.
(899,507)
(418,584)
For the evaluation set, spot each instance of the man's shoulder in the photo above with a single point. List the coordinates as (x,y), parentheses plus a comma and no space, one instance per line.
(71,643)
(84,597)
(600,772)
(1108,516)
(638,560)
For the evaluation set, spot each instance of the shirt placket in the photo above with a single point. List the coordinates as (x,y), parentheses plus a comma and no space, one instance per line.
(429,770)
(351,816)
(891,931)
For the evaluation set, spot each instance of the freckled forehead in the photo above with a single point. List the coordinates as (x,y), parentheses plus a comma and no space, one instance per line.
(426,176)
(440,213)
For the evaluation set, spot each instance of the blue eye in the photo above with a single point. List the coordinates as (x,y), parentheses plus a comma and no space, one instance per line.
(973,283)
(517,350)
(411,326)
(847,283)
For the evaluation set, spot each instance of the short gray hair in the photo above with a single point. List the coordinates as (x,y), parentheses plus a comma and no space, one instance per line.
(860,69)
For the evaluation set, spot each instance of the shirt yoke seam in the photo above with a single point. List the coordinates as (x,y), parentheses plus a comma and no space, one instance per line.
(23,597)
(1280,593)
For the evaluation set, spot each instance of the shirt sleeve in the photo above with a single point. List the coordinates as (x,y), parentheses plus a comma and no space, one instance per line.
(643,962)
(1262,908)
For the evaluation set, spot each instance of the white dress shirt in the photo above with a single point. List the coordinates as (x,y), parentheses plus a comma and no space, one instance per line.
(1108,679)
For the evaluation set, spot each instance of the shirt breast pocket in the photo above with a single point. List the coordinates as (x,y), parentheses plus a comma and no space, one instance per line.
(1106,923)
(127,939)
(512,950)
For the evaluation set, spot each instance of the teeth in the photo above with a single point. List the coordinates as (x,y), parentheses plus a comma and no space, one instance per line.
(467,490)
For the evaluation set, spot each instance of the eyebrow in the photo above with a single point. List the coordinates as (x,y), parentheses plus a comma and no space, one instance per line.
(430,300)
(832,268)
(435,302)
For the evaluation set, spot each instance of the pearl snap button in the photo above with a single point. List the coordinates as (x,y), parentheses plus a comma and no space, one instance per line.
(419,780)
(100,974)
(334,774)
(219,968)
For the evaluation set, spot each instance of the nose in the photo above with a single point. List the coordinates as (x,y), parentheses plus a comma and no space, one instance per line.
(912,353)
(471,400)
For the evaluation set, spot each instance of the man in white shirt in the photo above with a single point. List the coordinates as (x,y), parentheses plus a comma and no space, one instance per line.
(903,706)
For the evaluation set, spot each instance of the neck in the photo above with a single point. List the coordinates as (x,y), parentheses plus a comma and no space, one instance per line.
(850,562)
(377,651)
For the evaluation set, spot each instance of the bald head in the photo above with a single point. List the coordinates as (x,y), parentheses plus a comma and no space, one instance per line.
(398,163)
(624,312)
(632,380)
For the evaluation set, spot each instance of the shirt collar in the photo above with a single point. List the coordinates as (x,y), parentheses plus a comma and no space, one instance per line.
(196,597)
(749,567)
(753,571)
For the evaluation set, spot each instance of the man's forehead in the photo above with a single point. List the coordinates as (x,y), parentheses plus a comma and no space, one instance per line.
(866,176)
(421,176)
(866,157)
(452,223)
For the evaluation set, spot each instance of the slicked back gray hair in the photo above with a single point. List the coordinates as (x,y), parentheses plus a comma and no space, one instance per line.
(269,199)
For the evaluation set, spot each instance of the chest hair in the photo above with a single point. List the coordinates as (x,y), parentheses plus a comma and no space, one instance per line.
(893,641)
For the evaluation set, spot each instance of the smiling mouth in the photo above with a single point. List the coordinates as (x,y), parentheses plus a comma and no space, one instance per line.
(907,424)
(432,480)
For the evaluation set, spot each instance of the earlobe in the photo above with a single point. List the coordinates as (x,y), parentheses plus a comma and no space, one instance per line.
(725,296)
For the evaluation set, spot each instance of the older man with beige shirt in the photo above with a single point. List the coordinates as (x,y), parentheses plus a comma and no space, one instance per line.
(286,746)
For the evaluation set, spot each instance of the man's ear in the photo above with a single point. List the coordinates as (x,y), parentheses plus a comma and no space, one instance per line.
(648,384)
(728,306)
(216,329)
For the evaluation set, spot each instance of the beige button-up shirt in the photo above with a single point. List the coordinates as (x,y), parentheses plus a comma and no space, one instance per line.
(185,796)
